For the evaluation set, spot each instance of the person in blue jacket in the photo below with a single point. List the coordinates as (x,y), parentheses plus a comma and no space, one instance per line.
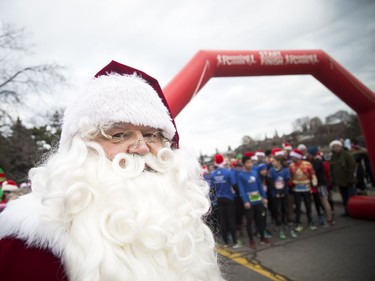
(222,181)
(255,199)
(239,208)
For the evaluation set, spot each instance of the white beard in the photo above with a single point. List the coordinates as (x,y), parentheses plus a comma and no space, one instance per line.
(126,223)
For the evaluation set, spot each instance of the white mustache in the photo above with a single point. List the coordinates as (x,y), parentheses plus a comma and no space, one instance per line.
(132,165)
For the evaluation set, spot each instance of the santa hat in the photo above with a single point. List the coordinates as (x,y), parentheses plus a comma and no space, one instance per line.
(9,185)
(335,142)
(219,160)
(260,153)
(277,152)
(287,146)
(249,154)
(119,93)
(296,153)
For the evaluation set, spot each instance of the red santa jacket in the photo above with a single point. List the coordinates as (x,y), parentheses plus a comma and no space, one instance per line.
(18,262)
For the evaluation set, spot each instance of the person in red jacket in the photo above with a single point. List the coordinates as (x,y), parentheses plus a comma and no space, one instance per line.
(118,200)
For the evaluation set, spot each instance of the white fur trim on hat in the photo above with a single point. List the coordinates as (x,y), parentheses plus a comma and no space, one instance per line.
(116,98)
(280,153)
(296,154)
(9,186)
(335,142)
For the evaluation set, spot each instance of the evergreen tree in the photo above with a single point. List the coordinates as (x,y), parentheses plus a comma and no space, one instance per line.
(22,152)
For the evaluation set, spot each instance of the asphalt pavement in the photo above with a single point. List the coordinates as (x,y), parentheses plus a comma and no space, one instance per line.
(345,252)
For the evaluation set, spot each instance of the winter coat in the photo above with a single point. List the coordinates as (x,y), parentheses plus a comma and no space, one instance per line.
(342,169)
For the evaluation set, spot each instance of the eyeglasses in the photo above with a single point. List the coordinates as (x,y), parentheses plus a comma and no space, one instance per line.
(132,140)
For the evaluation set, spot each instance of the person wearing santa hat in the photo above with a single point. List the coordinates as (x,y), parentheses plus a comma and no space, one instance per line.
(303,178)
(222,180)
(260,156)
(118,200)
(7,188)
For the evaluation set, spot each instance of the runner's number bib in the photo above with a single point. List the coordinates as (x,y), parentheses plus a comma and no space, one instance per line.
(279,184)
(301,187)
(254,196)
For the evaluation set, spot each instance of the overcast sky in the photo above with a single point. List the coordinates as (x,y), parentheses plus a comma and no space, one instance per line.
(160,37)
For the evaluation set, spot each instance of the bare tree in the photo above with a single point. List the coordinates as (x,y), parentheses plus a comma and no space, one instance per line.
(18,80)
(301,124)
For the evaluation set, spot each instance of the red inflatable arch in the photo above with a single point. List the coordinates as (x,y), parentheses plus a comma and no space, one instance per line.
(207,64)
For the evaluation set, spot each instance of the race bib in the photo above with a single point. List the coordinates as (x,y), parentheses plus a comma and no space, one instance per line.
(254,196)
(279,184)
(301,188)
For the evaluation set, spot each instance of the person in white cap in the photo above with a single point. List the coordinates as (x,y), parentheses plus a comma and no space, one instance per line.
(342,166)
(118,200)
(303,148)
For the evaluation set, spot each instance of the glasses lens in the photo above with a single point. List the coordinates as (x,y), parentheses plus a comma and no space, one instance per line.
(132,138)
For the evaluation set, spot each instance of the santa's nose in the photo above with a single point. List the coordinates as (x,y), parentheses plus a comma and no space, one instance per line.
(140,147)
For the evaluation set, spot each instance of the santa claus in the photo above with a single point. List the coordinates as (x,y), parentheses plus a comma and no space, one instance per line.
(118,199)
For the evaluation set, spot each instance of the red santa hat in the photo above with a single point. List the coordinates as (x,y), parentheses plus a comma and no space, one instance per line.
(219,160)
(9,185)
(296,153)
(260,153)
(277,152)
(120,93)
(287,146)
(248,154)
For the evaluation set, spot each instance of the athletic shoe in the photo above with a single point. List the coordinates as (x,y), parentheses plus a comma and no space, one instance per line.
(265,241)
(293,234)
(239,244)
(252,245)
(312,227)
(282,235)
(267,234)
(299,228)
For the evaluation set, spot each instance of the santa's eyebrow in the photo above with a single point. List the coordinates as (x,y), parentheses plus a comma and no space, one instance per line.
(125,127)
(119,126)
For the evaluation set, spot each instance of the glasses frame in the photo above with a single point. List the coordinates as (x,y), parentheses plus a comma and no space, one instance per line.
(148,140)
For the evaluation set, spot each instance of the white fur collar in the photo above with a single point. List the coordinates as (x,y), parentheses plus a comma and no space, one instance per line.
(23,219)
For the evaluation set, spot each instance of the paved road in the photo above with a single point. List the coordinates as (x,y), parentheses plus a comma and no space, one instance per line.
(344,252)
